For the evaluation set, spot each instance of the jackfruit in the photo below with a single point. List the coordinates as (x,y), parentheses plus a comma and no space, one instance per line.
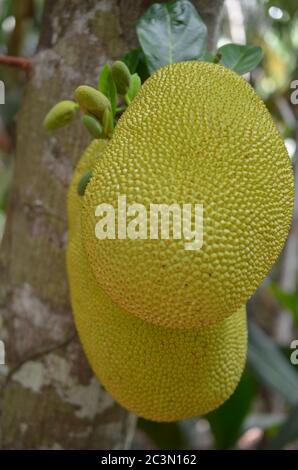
(195,133)
(159,373)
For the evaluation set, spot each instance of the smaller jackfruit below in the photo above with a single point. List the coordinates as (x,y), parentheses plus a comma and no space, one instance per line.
(158,373)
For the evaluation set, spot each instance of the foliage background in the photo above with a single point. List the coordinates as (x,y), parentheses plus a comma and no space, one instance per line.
(263,412)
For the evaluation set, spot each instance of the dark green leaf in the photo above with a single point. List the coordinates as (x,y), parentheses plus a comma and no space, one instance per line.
(270,365)
(208,57)
(240,58)
(287,300)
(132,59)
(226,421)
(171,32)
(107,86)
(288,432)
(136,62)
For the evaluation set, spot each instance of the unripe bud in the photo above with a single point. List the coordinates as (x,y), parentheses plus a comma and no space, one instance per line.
(60,115)
(108,124)
(121,76)
(135,85)
(92,101)
(92,125)
(84,182)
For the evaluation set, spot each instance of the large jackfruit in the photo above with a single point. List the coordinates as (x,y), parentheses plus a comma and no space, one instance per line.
(195,133)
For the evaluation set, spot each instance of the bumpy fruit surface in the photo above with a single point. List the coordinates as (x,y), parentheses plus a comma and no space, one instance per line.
(195,133)
(156,372)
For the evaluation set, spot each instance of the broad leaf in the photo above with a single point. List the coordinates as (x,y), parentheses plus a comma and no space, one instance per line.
(226,421)
(171,32)
(136,62)
(270,365)
(132,59)
(240,58)
(208,57)
(107,86)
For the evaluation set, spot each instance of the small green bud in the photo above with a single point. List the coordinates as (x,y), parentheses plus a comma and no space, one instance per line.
(92,125)
(84,182)
(92,101)
(135,85)
(108,124)
(121,76)
(60,115)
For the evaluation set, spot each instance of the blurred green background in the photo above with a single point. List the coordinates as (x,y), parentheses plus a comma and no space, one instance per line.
(263,412)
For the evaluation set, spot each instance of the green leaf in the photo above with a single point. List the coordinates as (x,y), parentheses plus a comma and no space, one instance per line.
(226,421)
(208,57)
(171,32)
(135,85)
(287,300)
(132,59)
(270,365)
(288,432)
(136,62)
(240,58)
(107,86)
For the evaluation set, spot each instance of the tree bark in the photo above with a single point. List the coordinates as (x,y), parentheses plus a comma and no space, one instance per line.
(49,397)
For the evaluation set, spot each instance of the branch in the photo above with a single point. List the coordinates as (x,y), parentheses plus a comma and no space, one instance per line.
(22,63)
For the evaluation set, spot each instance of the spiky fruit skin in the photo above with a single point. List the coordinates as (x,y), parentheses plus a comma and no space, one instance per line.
(195,133)
(156,372)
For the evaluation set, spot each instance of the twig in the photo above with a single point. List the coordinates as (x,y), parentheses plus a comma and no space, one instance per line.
(22,63)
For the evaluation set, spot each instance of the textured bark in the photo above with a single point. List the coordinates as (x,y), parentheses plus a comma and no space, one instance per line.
(49,397)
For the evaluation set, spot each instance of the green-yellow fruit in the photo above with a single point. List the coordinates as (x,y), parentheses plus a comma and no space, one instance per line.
(92,101)
(60,115)
(158,373)
(195,133)
(121,76)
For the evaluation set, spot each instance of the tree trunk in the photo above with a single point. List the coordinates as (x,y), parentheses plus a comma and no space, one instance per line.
(49,396)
